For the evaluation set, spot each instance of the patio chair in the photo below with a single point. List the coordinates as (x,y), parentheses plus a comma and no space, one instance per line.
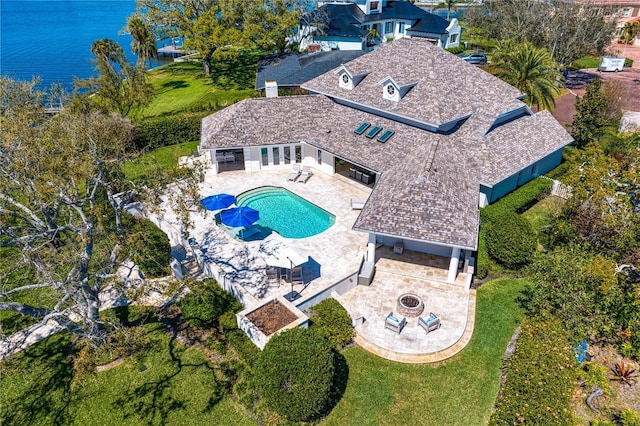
(393,323)
(398,248)
(273,276)
(296,275)
(432,322)
(305,174)
(295,173)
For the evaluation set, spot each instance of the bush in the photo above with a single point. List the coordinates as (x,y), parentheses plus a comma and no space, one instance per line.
(540,377)
(157,132)
(150,248)
(244,348)
(519,200)
(206,303)
(455,50)
(331,320)
(294,374)
(511,240)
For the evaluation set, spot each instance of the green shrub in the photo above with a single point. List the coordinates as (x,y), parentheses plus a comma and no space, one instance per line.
(511,240)
(541,375)
(628,62)
(206,302)
(455,50)
(519,200)
(157,132)
(294,374)
(628,417)
(482,257)
(244,348)
(331,320)
(149,248)
(228,321)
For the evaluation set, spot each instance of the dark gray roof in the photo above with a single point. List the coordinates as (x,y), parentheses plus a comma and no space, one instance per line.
(295,68)
(429,182)
(447,88)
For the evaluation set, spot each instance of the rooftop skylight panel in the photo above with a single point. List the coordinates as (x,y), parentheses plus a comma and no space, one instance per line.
(373,132)
(360,130)
(385,136)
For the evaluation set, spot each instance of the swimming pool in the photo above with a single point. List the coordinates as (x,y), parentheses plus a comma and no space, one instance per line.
(286,213)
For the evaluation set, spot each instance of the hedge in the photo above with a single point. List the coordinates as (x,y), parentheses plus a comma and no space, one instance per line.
(511,241)
(541,375)
(294,374)
(153,133)
(206,303)
(519,200)
(331,320)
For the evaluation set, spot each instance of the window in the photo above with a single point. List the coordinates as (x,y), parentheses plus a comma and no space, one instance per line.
(626,12)
(298,154)
(345,78)
(453,38)
(319,157)
(276,155)
(391,90)
(373,6)
(265,156)
(388,28)
(287,154)
(401,27)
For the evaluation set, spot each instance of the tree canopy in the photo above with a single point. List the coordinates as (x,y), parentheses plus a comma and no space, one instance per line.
(570,29)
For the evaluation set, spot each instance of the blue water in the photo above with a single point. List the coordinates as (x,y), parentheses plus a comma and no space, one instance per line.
(286,213)
(52,39)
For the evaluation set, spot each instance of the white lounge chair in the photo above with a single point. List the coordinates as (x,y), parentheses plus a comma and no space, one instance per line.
(295,173)
(305,174)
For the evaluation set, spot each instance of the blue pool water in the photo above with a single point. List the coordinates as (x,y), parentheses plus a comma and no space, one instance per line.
(286,213)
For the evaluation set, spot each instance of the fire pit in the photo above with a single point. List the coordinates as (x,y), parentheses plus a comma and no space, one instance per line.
(410,305)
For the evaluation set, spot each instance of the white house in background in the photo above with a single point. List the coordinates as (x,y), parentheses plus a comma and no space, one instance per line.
(352,25)
(432,135)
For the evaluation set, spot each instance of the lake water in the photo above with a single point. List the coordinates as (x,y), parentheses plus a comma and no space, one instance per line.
(52,39)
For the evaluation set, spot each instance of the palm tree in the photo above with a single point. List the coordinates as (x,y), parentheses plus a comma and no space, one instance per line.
(529,69)
(449,5)
(143,43)
(630,31)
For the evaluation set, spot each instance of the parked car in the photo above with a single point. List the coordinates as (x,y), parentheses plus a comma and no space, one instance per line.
(478,58)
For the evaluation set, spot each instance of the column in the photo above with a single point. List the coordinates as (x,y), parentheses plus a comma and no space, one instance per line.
(453,265)
(371,248)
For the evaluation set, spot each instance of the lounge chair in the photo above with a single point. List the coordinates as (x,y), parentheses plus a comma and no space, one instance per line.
(432,322)
(248,233)
(296,275)
(393,323)
(295,173)
(305,174)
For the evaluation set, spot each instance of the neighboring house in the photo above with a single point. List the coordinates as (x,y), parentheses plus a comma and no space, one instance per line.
(622,11)
(293,69)
(355,25)
(451,136)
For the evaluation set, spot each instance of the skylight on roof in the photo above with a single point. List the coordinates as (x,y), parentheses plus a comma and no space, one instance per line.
(373,132)
(360,130)
(386,135)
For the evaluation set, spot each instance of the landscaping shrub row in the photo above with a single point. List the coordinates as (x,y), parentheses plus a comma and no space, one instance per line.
(540,377)
(157,132)
(519,200)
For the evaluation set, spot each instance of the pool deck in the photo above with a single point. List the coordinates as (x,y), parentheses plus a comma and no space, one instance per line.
(334,255)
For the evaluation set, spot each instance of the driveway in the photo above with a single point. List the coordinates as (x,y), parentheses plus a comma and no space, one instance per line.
(577,81)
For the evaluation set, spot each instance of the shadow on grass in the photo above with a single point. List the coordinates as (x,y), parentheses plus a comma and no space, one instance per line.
(239,73)
(154,400)
(340,379)
(43,395)
(177,84)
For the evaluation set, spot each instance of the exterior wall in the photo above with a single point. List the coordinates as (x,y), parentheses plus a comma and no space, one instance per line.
(341,287)
(503,188)
(327,162)
(455,33)
(419,246)
(252,159)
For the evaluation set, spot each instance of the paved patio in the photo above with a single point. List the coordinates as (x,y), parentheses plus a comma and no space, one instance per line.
(334,255)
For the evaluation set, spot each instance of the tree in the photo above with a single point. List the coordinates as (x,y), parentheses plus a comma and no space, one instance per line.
(449,5)
(143,43)
(589,120)
(569,28)
(331,320)
(118,84)
(529,69)
(62,201)
(510,240)
(630,31)
(294,374)
(271,24)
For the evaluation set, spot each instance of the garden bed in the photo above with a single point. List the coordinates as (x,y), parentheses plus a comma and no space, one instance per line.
(271,317)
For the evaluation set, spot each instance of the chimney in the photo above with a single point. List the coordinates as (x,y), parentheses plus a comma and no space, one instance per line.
(271,88)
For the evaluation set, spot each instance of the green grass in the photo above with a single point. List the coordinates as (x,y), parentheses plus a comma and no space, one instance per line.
(182,86)
(178,385)
(541,214)
(459,392)
(164,158)
(586,62)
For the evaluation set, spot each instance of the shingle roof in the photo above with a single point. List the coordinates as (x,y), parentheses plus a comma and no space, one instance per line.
(295,68)
(428,182)
(447,88)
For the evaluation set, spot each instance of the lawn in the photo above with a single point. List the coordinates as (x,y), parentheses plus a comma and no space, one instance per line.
(542,213)
(182,86)
(173,384)
(164,158)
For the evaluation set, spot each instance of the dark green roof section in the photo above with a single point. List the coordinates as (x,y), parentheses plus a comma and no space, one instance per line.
(360,130)
(386,135)
(373,132)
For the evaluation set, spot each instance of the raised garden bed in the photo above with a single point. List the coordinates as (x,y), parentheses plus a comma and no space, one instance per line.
(271,317)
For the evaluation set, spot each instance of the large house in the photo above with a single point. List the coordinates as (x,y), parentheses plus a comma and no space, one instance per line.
(622,11)
(352,25)
(434,136)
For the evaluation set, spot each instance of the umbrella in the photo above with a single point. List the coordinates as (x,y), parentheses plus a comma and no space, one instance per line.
(281,256)
(239,216)
(218,201)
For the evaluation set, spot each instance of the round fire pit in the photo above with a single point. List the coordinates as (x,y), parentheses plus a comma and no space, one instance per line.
(410,305)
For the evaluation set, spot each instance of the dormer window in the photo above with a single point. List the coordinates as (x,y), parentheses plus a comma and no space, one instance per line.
(393,91)
(348,80)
